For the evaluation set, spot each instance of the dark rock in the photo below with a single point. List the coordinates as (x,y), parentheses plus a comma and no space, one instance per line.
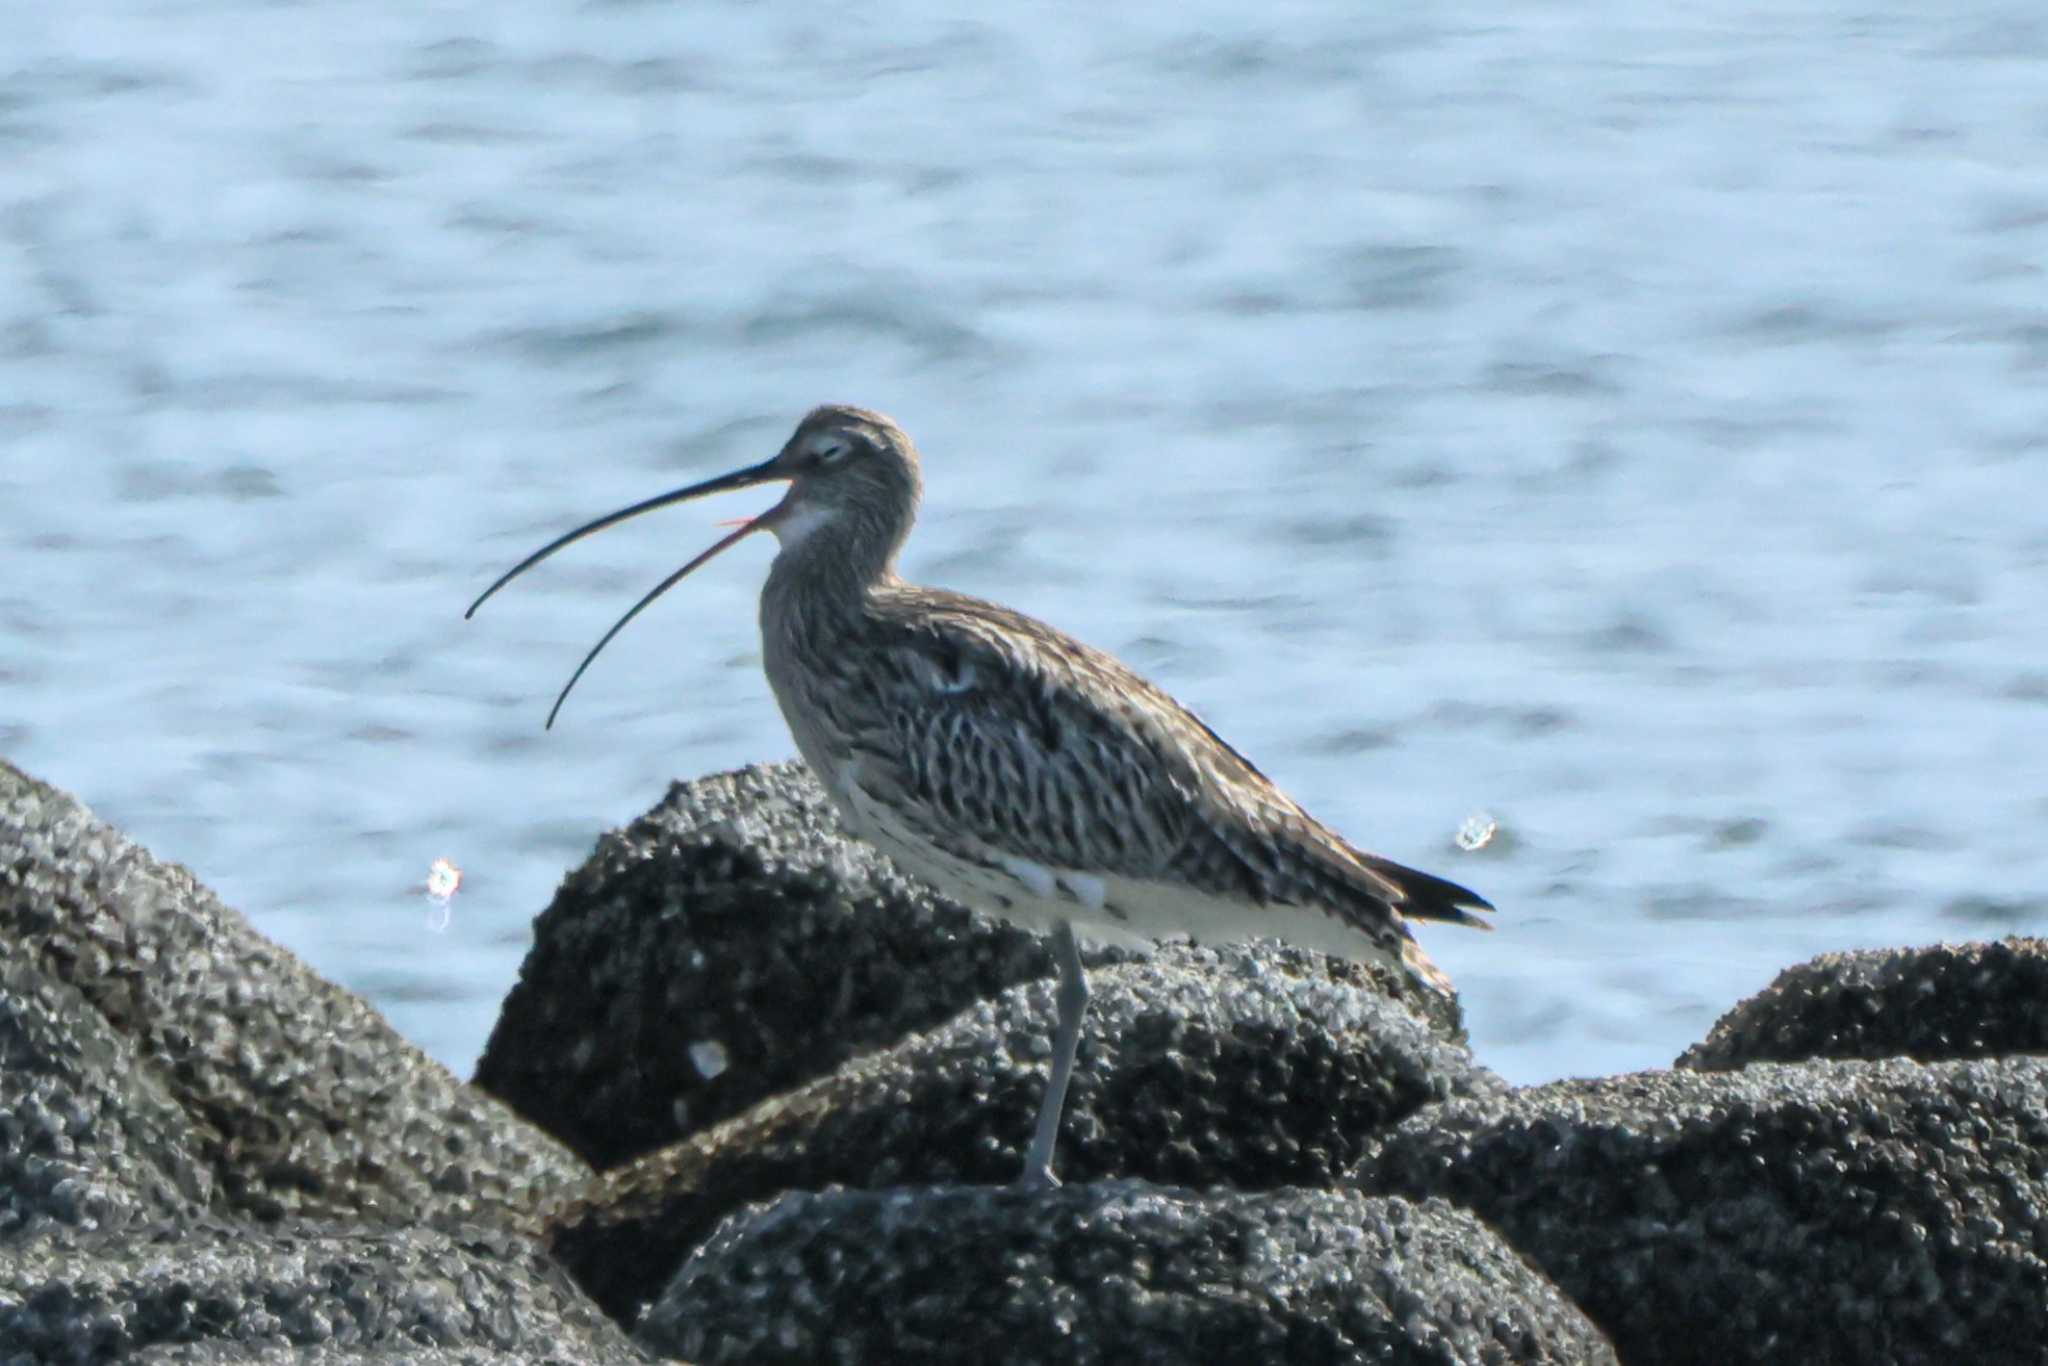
(296,1097)
(177,1094)
(569,1353)
(87,1138)
(1816,1212)
(736,923)
(1199,1067)
(1119,1272)
(212,1292)
(1946,1001)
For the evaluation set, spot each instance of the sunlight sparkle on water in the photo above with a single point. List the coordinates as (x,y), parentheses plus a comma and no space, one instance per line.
(1477,831)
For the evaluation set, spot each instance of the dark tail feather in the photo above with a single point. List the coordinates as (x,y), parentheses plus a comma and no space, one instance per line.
(1425,896)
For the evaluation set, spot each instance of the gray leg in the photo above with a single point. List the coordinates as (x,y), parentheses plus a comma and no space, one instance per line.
(1072,995)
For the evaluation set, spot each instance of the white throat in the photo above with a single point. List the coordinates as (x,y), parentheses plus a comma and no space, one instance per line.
(799,524)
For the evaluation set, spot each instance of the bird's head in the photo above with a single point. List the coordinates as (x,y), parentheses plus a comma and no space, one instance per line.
(848,469)
(842,462)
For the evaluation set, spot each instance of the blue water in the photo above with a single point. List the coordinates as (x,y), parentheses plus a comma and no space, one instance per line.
(1633,429)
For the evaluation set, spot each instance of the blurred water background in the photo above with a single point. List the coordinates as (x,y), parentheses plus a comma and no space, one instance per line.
(1629,426)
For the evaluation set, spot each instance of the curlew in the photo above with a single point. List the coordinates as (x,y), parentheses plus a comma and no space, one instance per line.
(1013,768)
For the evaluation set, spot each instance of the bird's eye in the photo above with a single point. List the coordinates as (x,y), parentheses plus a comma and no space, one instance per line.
(833,451)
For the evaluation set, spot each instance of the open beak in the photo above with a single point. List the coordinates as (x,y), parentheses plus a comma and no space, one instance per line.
(768,471)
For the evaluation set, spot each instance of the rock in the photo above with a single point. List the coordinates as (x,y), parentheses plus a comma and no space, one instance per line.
(88,1139)
(569,1353)
(1120,1272)
(733,944)
(183,1106)
(284,1354)
(211,1063)
(215,1292)
(1198,1067)
(1815,1212)
(1945,1001)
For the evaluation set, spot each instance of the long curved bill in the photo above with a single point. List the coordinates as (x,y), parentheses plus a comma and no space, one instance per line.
(765,472)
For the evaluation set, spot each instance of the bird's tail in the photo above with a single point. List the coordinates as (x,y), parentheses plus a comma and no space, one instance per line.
(1425,896)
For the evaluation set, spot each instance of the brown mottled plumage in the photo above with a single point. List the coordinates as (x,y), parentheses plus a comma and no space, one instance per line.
(1015,768)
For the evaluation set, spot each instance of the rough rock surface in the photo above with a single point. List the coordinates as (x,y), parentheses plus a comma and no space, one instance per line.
(300,1099)
(733,943)
(1944,1001)
(87,1139)
(559,1353)
(181,1101)
(1818,1212)
(1198,1067)
(215,1292)
(1118,1272)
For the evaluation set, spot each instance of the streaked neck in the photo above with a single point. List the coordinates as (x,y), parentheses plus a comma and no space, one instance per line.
(832,556)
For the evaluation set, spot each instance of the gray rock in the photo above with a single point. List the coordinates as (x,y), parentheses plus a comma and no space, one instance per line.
(296,1097)
(1945,1001)
(733,944)
(176,1092)
(213,1292)
(1200,1067)
(1816,1212)
(569,1353)
(87,1138)
(1119,1272)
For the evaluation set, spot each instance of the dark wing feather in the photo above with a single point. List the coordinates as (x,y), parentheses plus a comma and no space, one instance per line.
(1000,746)
(1025,741)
